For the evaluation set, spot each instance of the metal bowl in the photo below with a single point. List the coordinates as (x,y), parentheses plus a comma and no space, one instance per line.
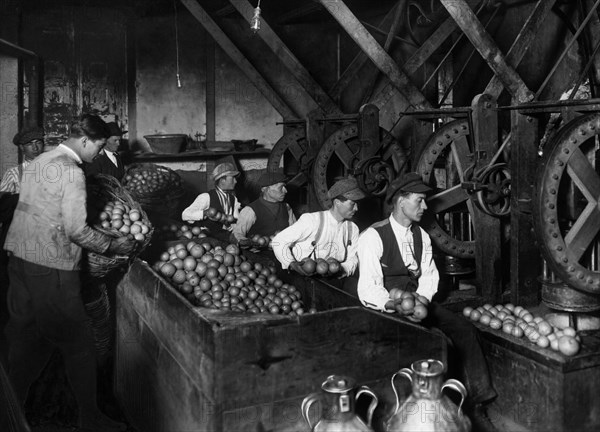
(167,143)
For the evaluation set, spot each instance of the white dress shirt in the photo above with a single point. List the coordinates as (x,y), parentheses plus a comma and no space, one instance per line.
(295,242)
(247,219)
(195,212)
(371,291)
(111,156)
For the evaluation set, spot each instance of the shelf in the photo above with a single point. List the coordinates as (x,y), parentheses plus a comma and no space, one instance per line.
(198,155)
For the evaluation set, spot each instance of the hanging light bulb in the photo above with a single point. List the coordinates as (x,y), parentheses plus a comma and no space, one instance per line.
(255,22)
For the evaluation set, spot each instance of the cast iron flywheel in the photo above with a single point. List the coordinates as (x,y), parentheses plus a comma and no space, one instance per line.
(566,210)
(340,156)
(443,164)
(291,153)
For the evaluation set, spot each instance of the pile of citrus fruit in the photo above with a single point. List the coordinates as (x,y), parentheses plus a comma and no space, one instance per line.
(409,304)
(519,322)
(118,216)
(181,231)
(222,278)
(216,216)
(321,266)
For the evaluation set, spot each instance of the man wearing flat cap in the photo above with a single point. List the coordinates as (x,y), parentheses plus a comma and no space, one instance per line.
(30,142)
(397,253)
(324,234)
(268,214)
(108,161)
(220,198)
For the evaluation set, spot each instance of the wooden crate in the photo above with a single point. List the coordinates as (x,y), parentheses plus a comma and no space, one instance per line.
(540,389)
(185,368)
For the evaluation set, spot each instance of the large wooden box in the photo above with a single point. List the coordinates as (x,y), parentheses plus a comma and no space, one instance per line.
(185,368)
(542,390)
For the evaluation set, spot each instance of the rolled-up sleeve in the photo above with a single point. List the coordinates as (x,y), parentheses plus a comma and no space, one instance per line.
(284,242)
(246,219)
(195,211)
(430,277)
(371,291)
(351,262)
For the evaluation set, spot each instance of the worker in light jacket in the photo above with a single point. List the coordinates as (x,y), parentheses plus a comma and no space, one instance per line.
(220,198)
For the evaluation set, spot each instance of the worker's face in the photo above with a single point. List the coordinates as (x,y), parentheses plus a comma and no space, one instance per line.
(32,149)
(412,206)
(227,183)
(90,148)
(346,209)
(275,192)
(113,143)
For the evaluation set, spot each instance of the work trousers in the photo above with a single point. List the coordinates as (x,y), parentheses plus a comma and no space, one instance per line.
(46,312)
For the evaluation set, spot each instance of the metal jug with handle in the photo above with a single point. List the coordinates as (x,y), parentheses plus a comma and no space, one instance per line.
(427,409)
(337,412)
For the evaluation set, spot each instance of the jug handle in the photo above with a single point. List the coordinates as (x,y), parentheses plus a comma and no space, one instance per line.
(456,386)
(306,404)
(366,390)
(406,373)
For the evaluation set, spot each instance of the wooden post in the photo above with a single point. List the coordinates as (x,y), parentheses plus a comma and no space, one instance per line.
(483,42)
(524,255)
(487,228)
(211,104)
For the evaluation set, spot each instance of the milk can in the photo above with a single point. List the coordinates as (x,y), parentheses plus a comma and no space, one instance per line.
(337,410)
(427,409)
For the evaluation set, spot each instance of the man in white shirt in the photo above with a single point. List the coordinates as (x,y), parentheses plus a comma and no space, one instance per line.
(220,198)
(324,234)
(397,253)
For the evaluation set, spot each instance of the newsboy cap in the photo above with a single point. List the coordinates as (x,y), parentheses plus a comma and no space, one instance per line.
(409,182)
(114,129)
(270,178)
(28,134)
(348,188)
(224,169)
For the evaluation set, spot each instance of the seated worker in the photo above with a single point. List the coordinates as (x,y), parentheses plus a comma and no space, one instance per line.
(324,234)
(30,142)
(220,198)
(397,253)
(108,160)
(268,214)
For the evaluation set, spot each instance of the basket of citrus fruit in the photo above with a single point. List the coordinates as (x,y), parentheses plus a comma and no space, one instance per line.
(115,213)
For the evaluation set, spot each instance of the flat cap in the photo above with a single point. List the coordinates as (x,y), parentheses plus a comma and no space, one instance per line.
(409,182)
(270,178)
(347,188)
(224,169)
(114,129)
(28,134)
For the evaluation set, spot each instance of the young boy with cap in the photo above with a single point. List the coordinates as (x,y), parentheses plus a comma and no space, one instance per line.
(397,253)
(108,160)
(268,214)
(30,142)
(337,235)
(220,198)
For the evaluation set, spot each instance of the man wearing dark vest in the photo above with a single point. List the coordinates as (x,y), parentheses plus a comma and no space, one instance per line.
(108,161)
(397,253)
(268,214)
(220,198)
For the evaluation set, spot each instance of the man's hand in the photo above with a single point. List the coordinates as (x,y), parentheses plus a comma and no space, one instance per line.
(122,245)
(297,267)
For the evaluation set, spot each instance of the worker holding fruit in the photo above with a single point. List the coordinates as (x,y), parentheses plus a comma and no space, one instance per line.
(397,274)
(219,205)
(324,237)
(45,242)
(108,161)
(267,215)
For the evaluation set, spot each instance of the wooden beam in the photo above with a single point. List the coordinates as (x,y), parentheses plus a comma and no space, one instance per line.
(307,82)
(419,57)
(376,53)
(483,42)
(211,93)
(10,49)
(355,65)
(236,55)
(522,42)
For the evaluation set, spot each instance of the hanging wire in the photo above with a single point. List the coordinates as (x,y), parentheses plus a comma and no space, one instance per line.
(176,45)
(255,21)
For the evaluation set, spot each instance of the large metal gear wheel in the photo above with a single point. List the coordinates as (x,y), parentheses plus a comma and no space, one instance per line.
(290,152)
(443,164)
(566,211)
(339,157)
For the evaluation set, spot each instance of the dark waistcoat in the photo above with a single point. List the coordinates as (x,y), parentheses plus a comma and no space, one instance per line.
(395,272)
(270,217)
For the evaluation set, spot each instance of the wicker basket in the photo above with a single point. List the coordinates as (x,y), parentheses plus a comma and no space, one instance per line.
(164,198)
(104,188)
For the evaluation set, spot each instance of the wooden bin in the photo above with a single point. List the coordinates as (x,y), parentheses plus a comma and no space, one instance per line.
(186,368)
